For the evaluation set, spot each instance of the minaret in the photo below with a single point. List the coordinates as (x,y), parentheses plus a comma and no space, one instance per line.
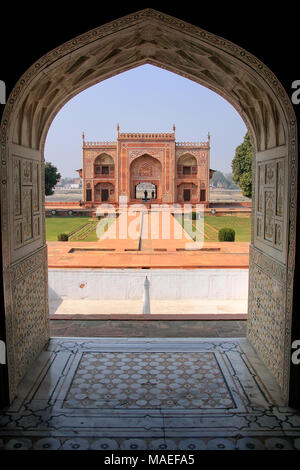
(118,129)
(146,297)
(82,138)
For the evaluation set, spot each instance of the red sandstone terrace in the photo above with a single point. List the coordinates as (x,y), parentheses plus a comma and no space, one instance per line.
(73,255)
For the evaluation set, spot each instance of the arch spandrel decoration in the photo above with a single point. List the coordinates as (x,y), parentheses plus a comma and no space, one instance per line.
(134,154)
(146,160)
(151,37)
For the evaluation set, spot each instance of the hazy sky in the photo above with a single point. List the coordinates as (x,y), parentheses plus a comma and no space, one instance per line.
(144,99)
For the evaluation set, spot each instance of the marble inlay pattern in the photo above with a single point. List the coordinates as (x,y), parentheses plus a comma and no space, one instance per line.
(266,324)
(152,380)
(29,327)
(149,393)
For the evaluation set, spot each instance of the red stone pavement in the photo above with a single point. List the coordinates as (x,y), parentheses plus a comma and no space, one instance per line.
(89,255)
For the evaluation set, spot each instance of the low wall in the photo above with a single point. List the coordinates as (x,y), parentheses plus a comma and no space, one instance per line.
(59,203)
(65,212)
(165,284)
(230,204)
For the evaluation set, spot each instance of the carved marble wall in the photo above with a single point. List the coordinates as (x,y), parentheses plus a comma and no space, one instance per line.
(266,323)
(26,197)
(269,304)
(28,327)
(25,273)
(270,220)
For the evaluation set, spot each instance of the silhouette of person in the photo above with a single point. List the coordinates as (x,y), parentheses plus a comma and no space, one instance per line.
(153,194)
(145,194)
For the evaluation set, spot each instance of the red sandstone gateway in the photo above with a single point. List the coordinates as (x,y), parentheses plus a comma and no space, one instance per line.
(145,167)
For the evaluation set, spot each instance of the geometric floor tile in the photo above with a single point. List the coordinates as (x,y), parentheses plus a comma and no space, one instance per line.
(149,380)
(149,393)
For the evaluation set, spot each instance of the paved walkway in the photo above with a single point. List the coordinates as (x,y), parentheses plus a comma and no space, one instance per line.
(198,318)
(201,309)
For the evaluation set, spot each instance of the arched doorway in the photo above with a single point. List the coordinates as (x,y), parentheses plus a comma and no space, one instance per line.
(149,37)
(145,177)
(145,190)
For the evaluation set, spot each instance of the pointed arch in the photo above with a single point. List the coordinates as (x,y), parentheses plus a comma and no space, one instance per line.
(148,37)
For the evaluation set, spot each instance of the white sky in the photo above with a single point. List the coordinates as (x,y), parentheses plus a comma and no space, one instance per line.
(144,99)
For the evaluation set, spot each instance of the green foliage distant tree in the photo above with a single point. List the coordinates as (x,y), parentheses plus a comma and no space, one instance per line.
(242,166)
(51,178)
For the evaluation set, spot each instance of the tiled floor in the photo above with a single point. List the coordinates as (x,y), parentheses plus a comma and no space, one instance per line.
(152,380)
(149,393)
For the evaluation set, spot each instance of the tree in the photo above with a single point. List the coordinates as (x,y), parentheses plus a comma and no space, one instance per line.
(51,178)
(242,166)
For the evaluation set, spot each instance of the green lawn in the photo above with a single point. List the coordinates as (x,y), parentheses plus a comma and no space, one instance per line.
(241,225)
(92,237)
(56,225)
(104,226)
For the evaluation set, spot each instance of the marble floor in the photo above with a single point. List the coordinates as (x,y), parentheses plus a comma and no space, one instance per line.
(149,393)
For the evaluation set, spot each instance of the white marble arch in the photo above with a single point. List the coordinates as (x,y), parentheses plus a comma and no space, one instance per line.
(149,37)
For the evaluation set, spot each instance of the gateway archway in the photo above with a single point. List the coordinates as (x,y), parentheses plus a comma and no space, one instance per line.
(145,175)
(158,39)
